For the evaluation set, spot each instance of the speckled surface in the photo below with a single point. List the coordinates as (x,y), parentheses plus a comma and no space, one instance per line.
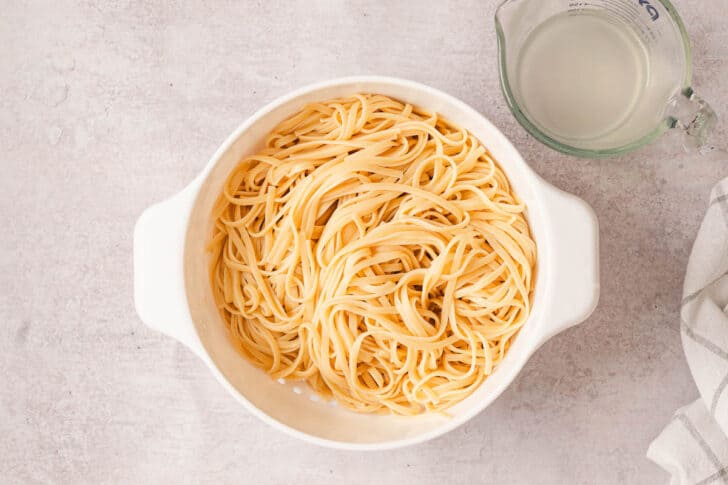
(107,107)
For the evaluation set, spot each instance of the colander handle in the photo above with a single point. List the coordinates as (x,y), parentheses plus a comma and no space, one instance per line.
(572,248)
(159,283)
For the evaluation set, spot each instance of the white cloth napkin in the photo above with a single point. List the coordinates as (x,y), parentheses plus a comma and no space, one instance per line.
(693,447)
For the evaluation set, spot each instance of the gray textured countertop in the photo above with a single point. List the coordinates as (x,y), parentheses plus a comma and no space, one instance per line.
(107,107)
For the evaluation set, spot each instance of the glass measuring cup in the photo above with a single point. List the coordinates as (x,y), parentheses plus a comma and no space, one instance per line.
(599,78)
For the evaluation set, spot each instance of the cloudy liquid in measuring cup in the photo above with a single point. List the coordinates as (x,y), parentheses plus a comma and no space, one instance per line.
(580,76)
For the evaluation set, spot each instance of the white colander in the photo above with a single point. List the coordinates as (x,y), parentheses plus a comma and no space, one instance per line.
(173,295)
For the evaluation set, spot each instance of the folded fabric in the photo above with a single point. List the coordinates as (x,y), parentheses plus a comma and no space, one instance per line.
(693,447)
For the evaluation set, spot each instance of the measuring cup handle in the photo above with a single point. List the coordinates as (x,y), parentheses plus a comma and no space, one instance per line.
(690,114)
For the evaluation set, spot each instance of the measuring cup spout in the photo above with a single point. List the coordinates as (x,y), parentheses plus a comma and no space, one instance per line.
(690,114)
